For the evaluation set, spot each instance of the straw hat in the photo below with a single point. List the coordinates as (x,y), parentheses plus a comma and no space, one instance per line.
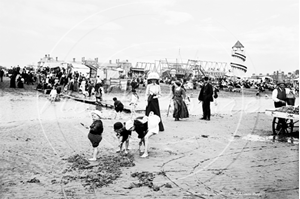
(96,112)
(153,75)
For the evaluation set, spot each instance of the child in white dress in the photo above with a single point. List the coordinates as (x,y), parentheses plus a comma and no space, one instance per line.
(53,94)
(133,103)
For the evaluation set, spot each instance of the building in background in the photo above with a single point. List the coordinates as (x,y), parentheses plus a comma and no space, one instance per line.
(52,63)
(238,67)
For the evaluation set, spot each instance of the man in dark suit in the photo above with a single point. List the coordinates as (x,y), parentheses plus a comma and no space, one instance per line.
(206,96)
(1,74)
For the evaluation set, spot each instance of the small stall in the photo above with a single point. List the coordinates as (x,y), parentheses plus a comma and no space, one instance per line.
(284,119)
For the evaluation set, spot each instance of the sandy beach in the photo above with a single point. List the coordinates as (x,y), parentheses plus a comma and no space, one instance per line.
(231,156)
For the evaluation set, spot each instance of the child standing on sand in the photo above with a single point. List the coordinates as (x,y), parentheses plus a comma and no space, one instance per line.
(133,103)
(53,94)
(95,133)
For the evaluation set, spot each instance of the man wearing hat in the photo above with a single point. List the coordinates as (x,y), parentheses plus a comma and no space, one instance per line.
(206,96)
(279,98)
(279,95)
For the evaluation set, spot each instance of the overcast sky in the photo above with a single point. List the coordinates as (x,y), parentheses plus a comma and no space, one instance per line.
(148,30)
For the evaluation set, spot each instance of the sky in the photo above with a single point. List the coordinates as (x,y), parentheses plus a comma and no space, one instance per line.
(150,30)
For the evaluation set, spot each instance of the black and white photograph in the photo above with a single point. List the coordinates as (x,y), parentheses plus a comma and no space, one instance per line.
(128,99)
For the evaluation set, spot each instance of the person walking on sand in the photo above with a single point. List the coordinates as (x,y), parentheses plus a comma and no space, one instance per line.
(95,133)
(98,92)
(206,96)
(153,92)
(180,108)
(216,90)
(118,107)
(133,103)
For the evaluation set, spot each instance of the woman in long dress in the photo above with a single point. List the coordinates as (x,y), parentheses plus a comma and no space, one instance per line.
(75,88)
(153,92)
(180,108)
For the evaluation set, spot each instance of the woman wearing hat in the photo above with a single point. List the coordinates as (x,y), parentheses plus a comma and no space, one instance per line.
(153,92)
(180,108)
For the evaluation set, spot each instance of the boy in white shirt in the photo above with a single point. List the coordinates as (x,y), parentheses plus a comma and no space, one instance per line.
(133,103)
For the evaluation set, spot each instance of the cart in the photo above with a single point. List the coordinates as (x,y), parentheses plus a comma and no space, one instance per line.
(283,122)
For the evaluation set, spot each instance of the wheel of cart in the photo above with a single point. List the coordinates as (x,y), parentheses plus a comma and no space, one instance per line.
(283,123)
(282,126)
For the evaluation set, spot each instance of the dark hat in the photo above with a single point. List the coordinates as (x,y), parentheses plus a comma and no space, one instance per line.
(118,125)
(280,82)
(178,83)
(206,78)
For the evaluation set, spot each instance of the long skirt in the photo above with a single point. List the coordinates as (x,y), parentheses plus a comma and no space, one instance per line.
(12,82)
(180,109)
(75,88)
(153,105)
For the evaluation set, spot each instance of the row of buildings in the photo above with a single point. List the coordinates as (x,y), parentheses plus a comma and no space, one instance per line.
(116,69)
(195,68)
(279,76)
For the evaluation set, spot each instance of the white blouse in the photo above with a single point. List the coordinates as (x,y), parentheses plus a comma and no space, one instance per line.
(153,89)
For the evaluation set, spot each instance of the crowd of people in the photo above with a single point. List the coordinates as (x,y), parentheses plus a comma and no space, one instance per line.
(151,123)
(283,94)
(19,77)
(58,80)
(230,84)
